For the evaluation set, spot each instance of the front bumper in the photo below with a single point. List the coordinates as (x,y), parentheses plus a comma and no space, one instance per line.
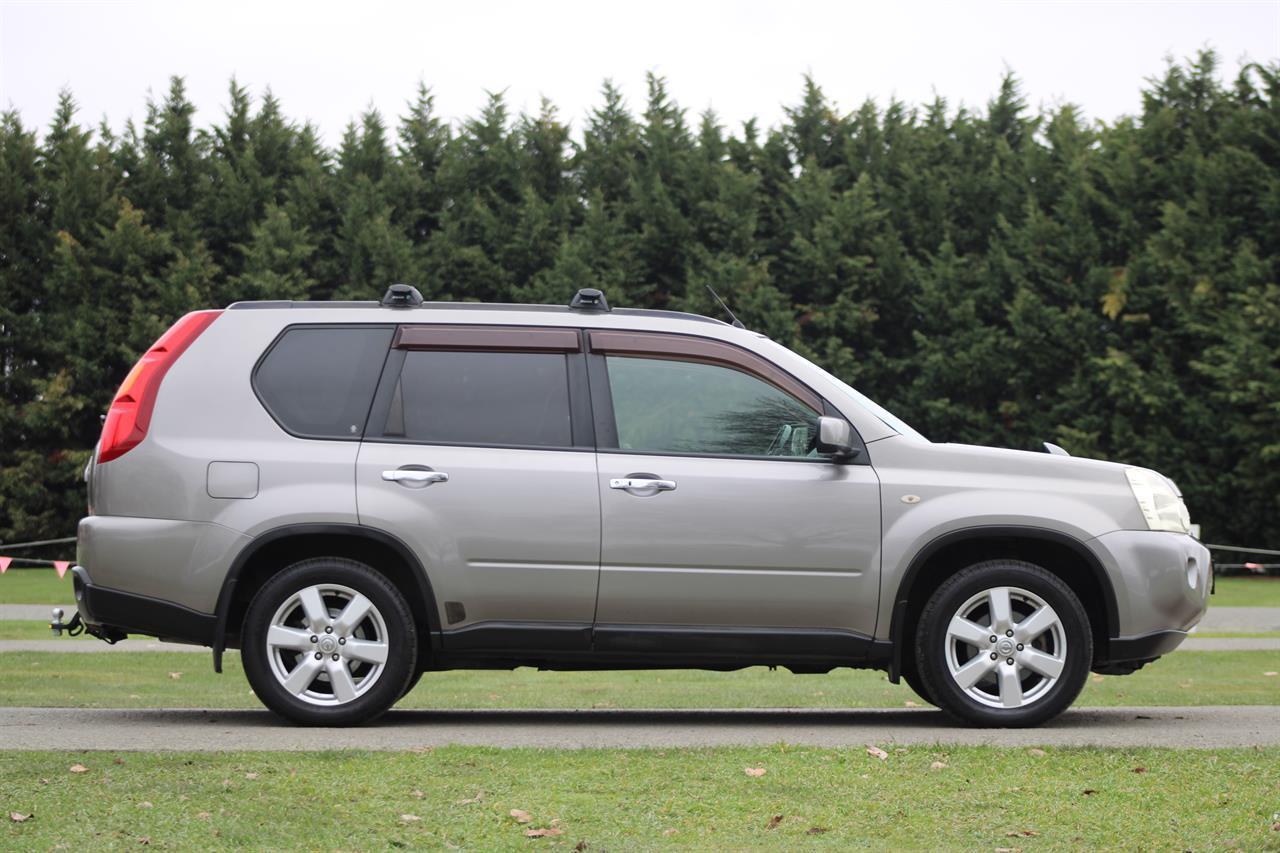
(1162,582)
(112,614)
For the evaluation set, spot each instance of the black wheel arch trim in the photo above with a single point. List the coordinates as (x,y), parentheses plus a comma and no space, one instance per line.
(354,531)
(898,619)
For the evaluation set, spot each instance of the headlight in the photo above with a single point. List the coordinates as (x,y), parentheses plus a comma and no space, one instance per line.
(1159,501)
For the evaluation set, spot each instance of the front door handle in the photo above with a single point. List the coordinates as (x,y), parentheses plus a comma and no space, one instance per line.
(641,484)
(415,477)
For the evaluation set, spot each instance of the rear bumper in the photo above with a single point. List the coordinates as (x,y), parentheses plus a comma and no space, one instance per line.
(114,612)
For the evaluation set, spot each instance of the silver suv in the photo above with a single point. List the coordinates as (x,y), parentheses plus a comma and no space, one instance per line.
(354,493)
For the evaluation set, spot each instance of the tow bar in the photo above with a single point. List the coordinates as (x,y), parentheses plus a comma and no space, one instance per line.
(74,628)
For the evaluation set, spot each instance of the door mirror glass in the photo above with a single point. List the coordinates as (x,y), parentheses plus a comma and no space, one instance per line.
(835,438)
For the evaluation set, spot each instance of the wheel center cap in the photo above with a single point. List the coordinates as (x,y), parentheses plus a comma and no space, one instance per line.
(1005,647)
(328,643)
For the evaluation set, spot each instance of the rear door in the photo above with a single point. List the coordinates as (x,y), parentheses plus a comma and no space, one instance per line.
(479,454)
(723,530)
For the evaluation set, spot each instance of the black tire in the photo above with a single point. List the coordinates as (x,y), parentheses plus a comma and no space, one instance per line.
(1047,697)
(413,682)
(910,676)
(261,664)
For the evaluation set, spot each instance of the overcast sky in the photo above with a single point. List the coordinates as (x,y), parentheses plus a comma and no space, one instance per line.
(328,61)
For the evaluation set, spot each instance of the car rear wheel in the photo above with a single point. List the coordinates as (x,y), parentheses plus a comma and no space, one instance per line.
(1003,643)
(329,642)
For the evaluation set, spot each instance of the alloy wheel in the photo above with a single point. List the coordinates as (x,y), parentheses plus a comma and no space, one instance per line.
(1006,647)
(327,644)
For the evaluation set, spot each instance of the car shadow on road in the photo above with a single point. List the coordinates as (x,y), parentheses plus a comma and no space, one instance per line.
(736,717)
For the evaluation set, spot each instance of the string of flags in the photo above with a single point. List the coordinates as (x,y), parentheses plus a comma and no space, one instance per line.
(59,566)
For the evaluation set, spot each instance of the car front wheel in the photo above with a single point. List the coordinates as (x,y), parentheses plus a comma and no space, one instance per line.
(329,642)
(1003,643)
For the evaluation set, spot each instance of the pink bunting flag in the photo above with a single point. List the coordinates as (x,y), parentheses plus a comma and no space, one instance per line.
(61,566)
(4,564)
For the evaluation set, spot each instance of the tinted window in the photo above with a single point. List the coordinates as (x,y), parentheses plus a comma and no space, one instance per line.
(506,398)
(318,382)
(688,407)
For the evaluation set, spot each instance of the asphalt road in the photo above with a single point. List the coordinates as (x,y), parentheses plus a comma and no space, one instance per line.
(207,731)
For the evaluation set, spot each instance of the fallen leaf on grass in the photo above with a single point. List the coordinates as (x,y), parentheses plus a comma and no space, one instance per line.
(754,771)
(78,768)
(1271,673)
(145,839)
(144,805)
(1038,753)
(203,815)
(938,765)
(669,831)
(816,830)
(19,817)
(1139,770)
(251,775)
(1089,792)
(409,818)
(175,675)
(911,704)
(543,833)
(521,816)
(417,793)
(477,798)
(1022,833)
(774,821)
(117,760)
(580,846)
(877,752)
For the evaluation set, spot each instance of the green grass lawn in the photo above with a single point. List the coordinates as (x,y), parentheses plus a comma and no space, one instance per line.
(42,586)
(983,798)
(36,586)
(1246,592)
(145,679)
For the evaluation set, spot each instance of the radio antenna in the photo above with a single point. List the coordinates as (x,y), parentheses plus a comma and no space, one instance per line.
(736,322)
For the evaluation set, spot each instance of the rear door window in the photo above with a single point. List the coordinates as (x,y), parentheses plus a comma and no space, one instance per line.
(318,381)
(514,399)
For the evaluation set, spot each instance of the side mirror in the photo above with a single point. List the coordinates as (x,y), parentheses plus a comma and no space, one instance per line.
(835,439)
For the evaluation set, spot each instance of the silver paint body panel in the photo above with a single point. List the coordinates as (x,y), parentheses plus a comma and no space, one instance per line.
(538,535)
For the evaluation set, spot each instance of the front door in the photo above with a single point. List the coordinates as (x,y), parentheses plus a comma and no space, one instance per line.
(474,456)
(717,512)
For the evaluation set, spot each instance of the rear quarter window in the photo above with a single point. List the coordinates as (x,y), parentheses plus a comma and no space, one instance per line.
(318,381)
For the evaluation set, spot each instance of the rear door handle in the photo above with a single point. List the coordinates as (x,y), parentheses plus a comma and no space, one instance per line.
(415,477)
(641,484)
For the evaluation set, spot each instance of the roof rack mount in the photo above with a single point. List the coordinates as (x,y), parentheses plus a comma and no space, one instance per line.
(402,296)
(589,299)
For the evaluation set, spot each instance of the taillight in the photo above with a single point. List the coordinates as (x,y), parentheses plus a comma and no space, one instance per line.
(130,412)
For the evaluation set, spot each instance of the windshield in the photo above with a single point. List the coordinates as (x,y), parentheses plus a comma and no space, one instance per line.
(889,418)
(894,422)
